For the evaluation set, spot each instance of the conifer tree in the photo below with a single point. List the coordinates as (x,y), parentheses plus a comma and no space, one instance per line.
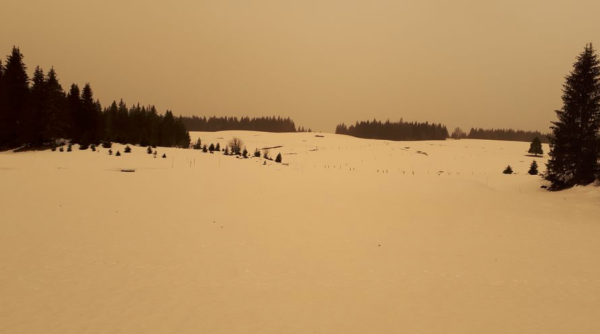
(574,142)
(211,148)
(508,170)
(197,145)
(536,147)
(218,147)
(533,169)
(278,159)
(89,114)
(31,130)
(14,98)
(54,117)
(75,119)
(245,153)
(256,153)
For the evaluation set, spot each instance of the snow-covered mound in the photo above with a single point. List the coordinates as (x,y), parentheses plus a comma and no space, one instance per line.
(346,236)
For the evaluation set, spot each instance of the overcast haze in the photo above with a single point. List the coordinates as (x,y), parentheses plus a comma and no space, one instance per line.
(462,63)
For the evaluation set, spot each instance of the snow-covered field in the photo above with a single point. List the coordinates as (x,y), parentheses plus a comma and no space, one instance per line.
(352,236)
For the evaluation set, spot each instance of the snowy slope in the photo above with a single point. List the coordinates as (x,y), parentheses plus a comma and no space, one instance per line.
(352,236)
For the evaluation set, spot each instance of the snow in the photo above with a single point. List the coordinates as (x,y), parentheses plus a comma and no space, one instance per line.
(353,236)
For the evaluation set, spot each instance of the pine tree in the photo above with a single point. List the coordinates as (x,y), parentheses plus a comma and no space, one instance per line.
(75,119)
(245,153)
(89,114)
(31,121)
(54,118)
(536,147)
(197,145)
(211,148)
(533,169)
(14,98)
(508,170)
(256,153)
(278,158)
(218,147)
(149,150)
(574,143)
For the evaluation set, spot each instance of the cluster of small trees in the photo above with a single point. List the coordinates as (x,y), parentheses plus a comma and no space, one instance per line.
(394,130)
(575,141)
(533,169)
(265,124)
(234,147)
(212,148)
(38,111)
(506,134)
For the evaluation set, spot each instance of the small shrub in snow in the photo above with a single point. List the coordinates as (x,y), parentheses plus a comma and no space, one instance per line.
(508,170)
(110,152)
(164,156)
(127,149)
(245,153)
(118,154)
(62,149)
(278,158)
(256,153)
(70,147)
(204,149)
(149,150)
(197,145)
(533,169)
(106,144)
(93,147)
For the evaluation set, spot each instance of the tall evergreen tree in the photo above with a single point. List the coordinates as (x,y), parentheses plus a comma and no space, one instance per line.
(75,118)
(574,142)
(16,94)
(54,118)
(89,115)
(31,120)
(3,107)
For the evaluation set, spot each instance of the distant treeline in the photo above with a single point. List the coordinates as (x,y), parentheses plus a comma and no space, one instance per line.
(37,111)
(266,124)
(394,130)
(506,134)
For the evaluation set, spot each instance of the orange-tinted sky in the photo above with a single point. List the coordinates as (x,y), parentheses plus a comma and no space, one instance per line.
(464,63)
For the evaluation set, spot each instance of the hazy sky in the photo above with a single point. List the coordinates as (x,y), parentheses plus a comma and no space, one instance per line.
(467,63)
